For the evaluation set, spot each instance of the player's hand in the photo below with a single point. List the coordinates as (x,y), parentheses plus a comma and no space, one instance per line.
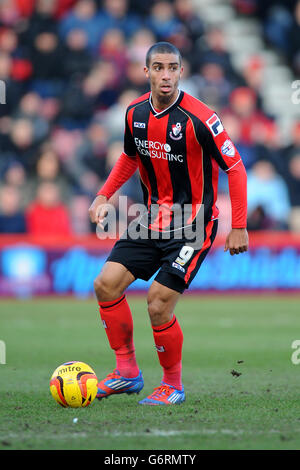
(237,241)
(98,210)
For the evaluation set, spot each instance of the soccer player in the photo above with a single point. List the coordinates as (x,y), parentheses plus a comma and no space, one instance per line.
(178,144)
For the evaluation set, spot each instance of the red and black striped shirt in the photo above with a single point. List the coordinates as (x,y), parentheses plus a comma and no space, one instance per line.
(179,152)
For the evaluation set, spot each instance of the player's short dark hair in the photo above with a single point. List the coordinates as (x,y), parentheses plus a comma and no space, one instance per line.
(162,48)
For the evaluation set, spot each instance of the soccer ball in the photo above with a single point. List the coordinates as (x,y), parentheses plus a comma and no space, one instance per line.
(74,384)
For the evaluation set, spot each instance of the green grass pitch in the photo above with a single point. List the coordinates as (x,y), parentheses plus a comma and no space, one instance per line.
(259,409)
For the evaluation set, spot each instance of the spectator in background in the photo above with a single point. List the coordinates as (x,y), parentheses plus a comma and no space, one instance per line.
(213,50)
(190,28)
(79,208)
(277,25)
(98,90)
(294,39)
(9,13)
(14,175)
(162,20)
(57,8)
(140,8)
(193,24)
(267,144)
(47,55)
(293,183)
(30,108)
(21,144)
(11,44)
(212,85)
(12,219)
(253,73)
(243,104)
(40,19)
(135,77)
(49,169)
(268,199)
(50,109)
(113,49)
(90,154)
(293,179)
(233,126)
(139,44)
(8,41)
(115,15)
(48,215)
(188,83)
(84,16)
(64,142)
(78,60)
(290,166)
(294,146)
(62,7)
(113,118)
(25,7)
(89,183)
(72,147)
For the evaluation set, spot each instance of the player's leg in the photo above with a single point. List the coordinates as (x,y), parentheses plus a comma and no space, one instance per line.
(168,339)
(116,316)
(180,263)
(129,260)
(112,281)
(167,333)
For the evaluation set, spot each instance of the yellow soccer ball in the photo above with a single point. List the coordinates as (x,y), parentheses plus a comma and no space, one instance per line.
(74,384)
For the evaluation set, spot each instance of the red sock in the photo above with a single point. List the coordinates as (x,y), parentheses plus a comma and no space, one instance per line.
(117,320)
(168,339)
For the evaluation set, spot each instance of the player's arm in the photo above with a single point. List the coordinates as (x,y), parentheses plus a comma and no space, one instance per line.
(228,158)
(237,240)
(123,169)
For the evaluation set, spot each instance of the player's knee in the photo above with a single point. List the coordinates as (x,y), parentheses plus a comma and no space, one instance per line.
(158,310)
(104,289)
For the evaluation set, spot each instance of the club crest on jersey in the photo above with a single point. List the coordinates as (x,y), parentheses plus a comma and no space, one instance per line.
(215,125)
(228,148)
(176,133)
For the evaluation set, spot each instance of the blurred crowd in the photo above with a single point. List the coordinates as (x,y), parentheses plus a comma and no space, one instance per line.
(281,25)
(71,67)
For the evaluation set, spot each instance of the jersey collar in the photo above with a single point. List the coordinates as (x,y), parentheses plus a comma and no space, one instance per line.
(167,110)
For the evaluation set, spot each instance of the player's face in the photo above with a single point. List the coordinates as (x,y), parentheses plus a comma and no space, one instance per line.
(164,73)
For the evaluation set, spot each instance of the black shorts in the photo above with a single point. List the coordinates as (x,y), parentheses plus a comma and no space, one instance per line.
(177,262)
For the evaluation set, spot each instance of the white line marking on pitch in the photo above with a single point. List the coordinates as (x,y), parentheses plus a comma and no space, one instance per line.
(155,432)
